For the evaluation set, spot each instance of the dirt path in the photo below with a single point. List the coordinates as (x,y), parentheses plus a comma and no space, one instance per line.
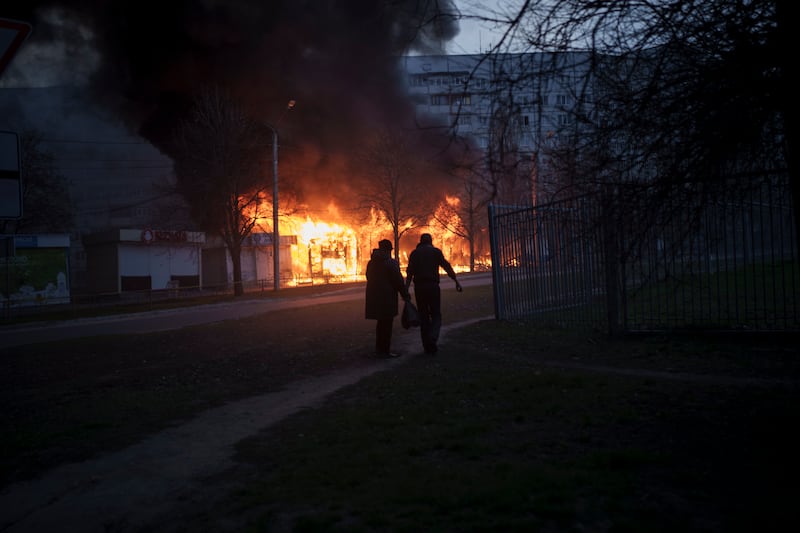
(129,489)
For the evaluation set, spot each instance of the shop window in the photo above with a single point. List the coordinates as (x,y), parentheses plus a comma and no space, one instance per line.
(135,283)
(186,281)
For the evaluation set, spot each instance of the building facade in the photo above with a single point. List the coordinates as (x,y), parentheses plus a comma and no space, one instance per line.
(516,108)
(130,260)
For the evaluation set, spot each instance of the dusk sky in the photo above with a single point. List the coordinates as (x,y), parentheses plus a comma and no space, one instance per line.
(473,37)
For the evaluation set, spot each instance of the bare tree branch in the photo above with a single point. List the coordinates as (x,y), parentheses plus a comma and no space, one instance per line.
(219,167)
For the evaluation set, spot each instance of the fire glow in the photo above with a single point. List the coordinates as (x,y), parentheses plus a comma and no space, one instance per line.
(324,250)
(328,249)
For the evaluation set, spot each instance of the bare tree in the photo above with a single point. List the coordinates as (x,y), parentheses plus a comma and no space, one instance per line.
(464,213)
(218,165)
(685,92)
(507,168)
(45,192)
(393,185)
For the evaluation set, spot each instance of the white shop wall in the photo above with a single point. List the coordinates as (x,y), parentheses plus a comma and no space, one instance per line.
(158,262)
(257,263)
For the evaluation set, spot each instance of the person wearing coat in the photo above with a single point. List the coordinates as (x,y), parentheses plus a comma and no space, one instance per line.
(384,282)
(423,269)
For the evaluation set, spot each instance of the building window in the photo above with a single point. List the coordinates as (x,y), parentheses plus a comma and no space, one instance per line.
(561,99)
(525,120)
(563,119)
(438,99)
(460,99)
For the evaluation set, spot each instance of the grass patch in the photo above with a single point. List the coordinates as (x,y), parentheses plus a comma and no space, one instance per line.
(471,441)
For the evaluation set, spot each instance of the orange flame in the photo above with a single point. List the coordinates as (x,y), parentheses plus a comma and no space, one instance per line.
(329,249)
(324,250)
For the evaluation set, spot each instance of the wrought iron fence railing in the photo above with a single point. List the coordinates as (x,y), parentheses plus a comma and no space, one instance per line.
(636,260)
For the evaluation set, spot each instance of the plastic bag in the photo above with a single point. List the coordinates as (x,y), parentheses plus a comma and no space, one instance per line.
(410,316)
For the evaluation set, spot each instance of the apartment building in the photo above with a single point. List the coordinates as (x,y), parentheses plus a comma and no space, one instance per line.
(511,106)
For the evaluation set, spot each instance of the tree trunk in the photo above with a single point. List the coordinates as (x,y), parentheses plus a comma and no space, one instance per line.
(236,260)
(471,242)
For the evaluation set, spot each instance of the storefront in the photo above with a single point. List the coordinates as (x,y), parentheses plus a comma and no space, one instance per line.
(257,261)
(143,259)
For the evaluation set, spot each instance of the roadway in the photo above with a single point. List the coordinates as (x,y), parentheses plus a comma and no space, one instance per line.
(168,319)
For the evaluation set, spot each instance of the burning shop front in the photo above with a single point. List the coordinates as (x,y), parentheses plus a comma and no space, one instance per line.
(310,253)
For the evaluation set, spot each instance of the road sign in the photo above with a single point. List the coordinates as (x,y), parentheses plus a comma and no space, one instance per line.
(12,34)
(10,177)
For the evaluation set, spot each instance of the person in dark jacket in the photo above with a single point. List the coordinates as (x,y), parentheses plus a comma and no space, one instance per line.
(423,269)
(384,282)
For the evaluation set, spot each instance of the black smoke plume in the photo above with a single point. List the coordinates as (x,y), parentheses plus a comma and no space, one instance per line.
(336,58)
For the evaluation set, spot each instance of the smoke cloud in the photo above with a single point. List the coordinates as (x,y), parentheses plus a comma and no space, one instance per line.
(336,58)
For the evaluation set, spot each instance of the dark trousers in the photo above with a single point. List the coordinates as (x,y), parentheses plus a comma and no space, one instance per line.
(429,303)
(383,335)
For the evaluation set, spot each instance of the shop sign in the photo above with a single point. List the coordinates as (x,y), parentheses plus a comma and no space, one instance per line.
(149,236)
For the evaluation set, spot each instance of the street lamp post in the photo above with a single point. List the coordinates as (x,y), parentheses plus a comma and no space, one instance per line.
(276,236)
(276,249)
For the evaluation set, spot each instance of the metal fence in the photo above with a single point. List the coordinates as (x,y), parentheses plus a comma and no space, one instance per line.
(646,260)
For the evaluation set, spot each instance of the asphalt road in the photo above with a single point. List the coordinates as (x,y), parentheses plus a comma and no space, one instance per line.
(146,322)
